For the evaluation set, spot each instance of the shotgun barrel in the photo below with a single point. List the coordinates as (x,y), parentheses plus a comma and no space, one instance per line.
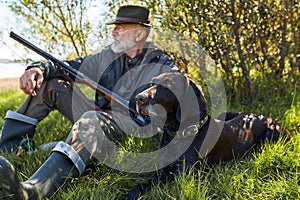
(109,95)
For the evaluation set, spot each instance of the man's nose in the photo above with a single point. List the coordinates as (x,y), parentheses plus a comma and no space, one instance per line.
(114,34)
(115,31)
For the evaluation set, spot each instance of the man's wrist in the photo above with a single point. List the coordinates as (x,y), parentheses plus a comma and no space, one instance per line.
(38,64)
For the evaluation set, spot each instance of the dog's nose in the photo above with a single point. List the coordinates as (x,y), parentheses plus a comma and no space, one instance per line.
(141,98)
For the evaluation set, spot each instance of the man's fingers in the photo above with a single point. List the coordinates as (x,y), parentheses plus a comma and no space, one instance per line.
(27,84)
(31,80)
(29,87)
(23,84)
(39,81)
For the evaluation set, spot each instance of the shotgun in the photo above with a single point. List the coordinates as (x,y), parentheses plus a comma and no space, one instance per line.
(109,95)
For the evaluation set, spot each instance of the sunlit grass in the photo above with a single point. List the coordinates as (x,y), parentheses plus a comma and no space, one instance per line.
(271,172)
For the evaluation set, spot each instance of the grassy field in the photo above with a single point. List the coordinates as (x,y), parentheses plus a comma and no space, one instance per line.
(271,172)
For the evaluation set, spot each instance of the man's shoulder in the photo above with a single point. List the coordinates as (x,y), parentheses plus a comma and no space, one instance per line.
(151,48)
(156,54)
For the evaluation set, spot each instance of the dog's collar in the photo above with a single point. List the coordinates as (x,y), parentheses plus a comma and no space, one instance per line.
(190,130)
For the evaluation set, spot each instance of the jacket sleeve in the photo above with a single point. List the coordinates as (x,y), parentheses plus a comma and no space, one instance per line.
(87,65)
(49,70)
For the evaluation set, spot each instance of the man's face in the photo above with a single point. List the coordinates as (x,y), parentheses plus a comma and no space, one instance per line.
(124,37)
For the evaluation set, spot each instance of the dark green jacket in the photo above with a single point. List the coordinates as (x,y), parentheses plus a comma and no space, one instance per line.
(115,71)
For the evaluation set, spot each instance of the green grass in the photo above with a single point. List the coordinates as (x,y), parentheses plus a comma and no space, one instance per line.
(271,172)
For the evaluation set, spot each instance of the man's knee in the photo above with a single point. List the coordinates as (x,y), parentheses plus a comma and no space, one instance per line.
(86,127)
(86,136)
(89,118)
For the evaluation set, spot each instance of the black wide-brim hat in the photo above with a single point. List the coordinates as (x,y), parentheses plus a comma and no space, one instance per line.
(132,15)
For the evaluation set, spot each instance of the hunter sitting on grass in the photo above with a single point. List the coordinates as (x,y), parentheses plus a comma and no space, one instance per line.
(128,63)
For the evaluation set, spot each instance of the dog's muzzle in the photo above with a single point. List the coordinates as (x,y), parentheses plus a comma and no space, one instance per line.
(142,104)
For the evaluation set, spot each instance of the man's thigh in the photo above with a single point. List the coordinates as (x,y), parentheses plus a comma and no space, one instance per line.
(55,94)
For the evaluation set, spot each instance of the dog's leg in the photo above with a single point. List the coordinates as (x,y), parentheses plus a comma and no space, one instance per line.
(162,177)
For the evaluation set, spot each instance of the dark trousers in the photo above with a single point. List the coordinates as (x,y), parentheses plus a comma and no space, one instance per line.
(94,132)
(55,94)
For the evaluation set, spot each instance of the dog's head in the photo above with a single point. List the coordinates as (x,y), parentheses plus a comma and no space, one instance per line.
(173,96)
(274,130)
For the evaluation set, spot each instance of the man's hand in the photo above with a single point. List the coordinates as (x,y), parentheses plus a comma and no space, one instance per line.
(31,80)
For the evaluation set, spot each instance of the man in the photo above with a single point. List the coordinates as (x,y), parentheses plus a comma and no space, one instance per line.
(106,67)
(123,67)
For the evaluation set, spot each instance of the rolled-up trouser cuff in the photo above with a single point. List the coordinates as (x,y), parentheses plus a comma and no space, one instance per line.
(67,150)
(20,117)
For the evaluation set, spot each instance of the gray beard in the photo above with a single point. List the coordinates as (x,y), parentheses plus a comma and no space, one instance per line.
(122,46)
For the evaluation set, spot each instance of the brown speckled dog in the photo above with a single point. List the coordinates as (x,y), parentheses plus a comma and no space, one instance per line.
(222,139)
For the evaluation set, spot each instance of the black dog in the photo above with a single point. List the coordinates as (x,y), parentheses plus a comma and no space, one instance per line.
(187,122)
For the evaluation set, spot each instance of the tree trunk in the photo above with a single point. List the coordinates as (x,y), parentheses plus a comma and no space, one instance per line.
(235,27)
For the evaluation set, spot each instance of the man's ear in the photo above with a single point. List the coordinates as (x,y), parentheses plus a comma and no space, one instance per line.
(140,35)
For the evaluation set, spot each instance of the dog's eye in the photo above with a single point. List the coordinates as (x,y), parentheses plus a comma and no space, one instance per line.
(151,84)
(168,84)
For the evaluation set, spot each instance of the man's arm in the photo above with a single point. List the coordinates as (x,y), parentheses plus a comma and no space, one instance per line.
(35,74)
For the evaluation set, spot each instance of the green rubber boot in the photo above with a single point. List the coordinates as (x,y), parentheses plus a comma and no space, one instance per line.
(62,165)
(16,128)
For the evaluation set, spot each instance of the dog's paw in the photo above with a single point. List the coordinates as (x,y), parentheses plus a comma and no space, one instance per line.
(134,193)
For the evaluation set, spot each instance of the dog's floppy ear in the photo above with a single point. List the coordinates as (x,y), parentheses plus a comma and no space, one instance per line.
(192,104)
